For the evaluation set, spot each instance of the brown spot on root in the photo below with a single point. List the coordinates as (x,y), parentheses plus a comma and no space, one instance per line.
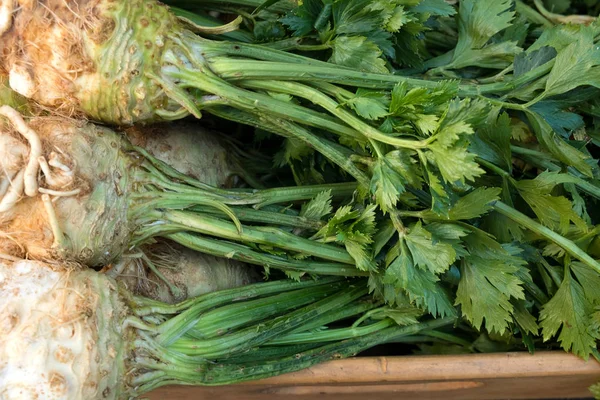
(8,323)
(58,384)
(64,355)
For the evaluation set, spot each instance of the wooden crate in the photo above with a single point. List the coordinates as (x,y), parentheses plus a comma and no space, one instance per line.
(546,375)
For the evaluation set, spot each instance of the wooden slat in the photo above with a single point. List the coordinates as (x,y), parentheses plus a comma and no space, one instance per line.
(466,377)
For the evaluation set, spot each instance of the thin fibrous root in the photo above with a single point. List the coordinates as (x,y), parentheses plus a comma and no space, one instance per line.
(58,178)
(31,171)
(53,220)
(9,258)
(59,193)
(14,193)
(5,184)
(46,171)
(54,161)
(8,236)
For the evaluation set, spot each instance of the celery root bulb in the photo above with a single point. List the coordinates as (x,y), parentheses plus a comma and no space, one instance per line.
(189,149)
(89,55)
(83,187)
(80,210)
(68,333)
(177,273)
(94,196)
(58,336)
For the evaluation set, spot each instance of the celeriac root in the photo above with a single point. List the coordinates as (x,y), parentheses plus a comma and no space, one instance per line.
(53,220)
(26,181)
(31,171)
(14,193)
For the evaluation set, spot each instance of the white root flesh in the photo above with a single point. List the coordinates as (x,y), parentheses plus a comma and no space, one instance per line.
(46,171)
(6,11)
(58,178)
(14,154)
(55,161)
(14,193)
(20,80)
(35,144)
(5,184)
(58,193)
(53,220)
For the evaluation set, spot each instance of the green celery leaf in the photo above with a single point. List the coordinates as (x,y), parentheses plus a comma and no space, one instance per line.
(577,65)
(421,285)
(357,245)
(455,164)
(355,230)
(526,61)
(343,216)
(386,184)
(491,142)
(368,108)
(420,100)
(559,37)
(387,292)
(393,16)
(450,132)
(429,253)
(475,204)
(547,181)
(561,121)
(434,7)
(570,313)
(470,111)
(401,315)
(579,204)
(500,226)
(354,17)
(524,319)
(497,55)
(589,280)
(293,149)
(441,197)
(406,100)
(558,147)
(268,31)
(517,32)
(383,40)
(294,275)
(399,18)
(488,283)
(555,212)
(484,292)
(303,17)
(318,207)
(478,21)
(359,53)
(427,123)
(403,162)
(449,233)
